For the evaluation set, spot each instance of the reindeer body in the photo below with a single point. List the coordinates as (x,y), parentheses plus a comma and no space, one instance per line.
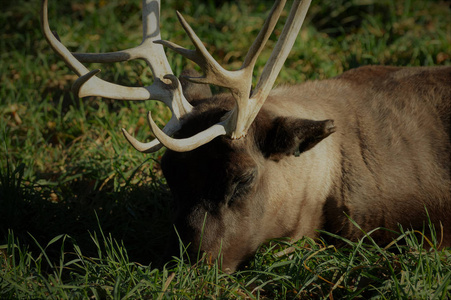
(386,163)
(395,152)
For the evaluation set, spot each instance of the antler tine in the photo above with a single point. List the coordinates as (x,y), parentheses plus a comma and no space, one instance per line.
(149,147)
(263,35)
(147,50)
(108,57)
(188,144)
(278,56)
(171,127)
(214,72)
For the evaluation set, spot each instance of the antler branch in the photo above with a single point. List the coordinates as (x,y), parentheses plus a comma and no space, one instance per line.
(166,87)
(277,59)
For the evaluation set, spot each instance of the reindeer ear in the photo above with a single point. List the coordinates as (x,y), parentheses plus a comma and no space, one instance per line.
(194,91)
(291,136)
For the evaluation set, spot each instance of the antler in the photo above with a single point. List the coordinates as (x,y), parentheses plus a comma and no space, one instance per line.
(236,123)
(166,87)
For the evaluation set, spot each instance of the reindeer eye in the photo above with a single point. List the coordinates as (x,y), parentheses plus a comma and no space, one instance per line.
(245,180)
(241,186)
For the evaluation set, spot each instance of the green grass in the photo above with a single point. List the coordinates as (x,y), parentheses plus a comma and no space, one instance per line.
(82,214)
(308,270)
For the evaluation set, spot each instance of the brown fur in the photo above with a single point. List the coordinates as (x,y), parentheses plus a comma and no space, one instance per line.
(372,143)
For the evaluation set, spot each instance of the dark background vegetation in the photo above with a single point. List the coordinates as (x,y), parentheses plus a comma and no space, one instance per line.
(64,165)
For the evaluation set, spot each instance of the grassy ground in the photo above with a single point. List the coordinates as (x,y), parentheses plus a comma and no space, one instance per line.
(82,214)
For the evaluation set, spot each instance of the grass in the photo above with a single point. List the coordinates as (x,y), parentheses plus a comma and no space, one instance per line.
(310,270)
(85,215)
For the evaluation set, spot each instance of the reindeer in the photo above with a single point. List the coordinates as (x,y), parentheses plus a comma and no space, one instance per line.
(371,145)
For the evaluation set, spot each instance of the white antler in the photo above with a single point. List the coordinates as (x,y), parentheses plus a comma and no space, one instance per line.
(277,59)
(166,87)
(236,123)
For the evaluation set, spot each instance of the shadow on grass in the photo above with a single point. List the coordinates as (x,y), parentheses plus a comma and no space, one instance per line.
(139,216)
